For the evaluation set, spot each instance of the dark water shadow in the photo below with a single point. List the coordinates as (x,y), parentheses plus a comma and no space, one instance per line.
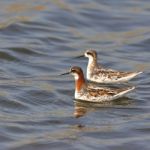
(82,108)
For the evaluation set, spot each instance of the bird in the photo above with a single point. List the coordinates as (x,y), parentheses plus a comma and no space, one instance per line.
(100,94)
(97,73)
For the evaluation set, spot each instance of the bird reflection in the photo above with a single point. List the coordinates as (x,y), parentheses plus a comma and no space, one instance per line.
(79,110)
(82,108)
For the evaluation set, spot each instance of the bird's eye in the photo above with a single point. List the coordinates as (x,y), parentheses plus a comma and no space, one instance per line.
(89,53)
(73,70)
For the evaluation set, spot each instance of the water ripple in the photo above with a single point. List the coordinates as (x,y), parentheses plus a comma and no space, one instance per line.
(39,41)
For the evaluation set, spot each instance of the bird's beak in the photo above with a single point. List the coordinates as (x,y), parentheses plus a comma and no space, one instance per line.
(64,73)
(79,56)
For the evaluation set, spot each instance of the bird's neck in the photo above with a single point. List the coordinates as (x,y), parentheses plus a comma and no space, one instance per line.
(92,63)
(79,83)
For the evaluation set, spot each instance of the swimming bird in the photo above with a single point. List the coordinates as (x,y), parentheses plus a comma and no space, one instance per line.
(97,73)
(101,94)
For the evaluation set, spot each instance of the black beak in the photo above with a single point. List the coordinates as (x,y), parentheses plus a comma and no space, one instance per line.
(79,56)
(64,73)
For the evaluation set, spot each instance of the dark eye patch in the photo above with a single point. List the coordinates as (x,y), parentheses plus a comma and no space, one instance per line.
(73,70)
(89,53)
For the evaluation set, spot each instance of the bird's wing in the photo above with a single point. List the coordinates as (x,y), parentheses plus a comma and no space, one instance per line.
(109,73)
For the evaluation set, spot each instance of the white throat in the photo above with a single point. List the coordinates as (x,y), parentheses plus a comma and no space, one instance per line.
(90,61)
(76,76)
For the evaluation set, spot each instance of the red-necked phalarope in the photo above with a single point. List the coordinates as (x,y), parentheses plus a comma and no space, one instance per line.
(98,74)
(83,92)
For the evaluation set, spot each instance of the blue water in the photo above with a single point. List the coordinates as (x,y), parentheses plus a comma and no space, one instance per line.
(38,41)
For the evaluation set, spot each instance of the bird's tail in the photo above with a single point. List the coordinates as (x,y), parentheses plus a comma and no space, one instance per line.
(124,91)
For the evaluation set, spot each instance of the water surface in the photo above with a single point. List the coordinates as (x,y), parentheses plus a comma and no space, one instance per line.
(38,41)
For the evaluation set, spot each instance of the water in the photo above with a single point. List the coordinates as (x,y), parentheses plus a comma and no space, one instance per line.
(38,41)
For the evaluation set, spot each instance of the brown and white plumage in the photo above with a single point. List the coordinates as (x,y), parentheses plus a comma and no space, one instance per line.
(100,94)
(97,73)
